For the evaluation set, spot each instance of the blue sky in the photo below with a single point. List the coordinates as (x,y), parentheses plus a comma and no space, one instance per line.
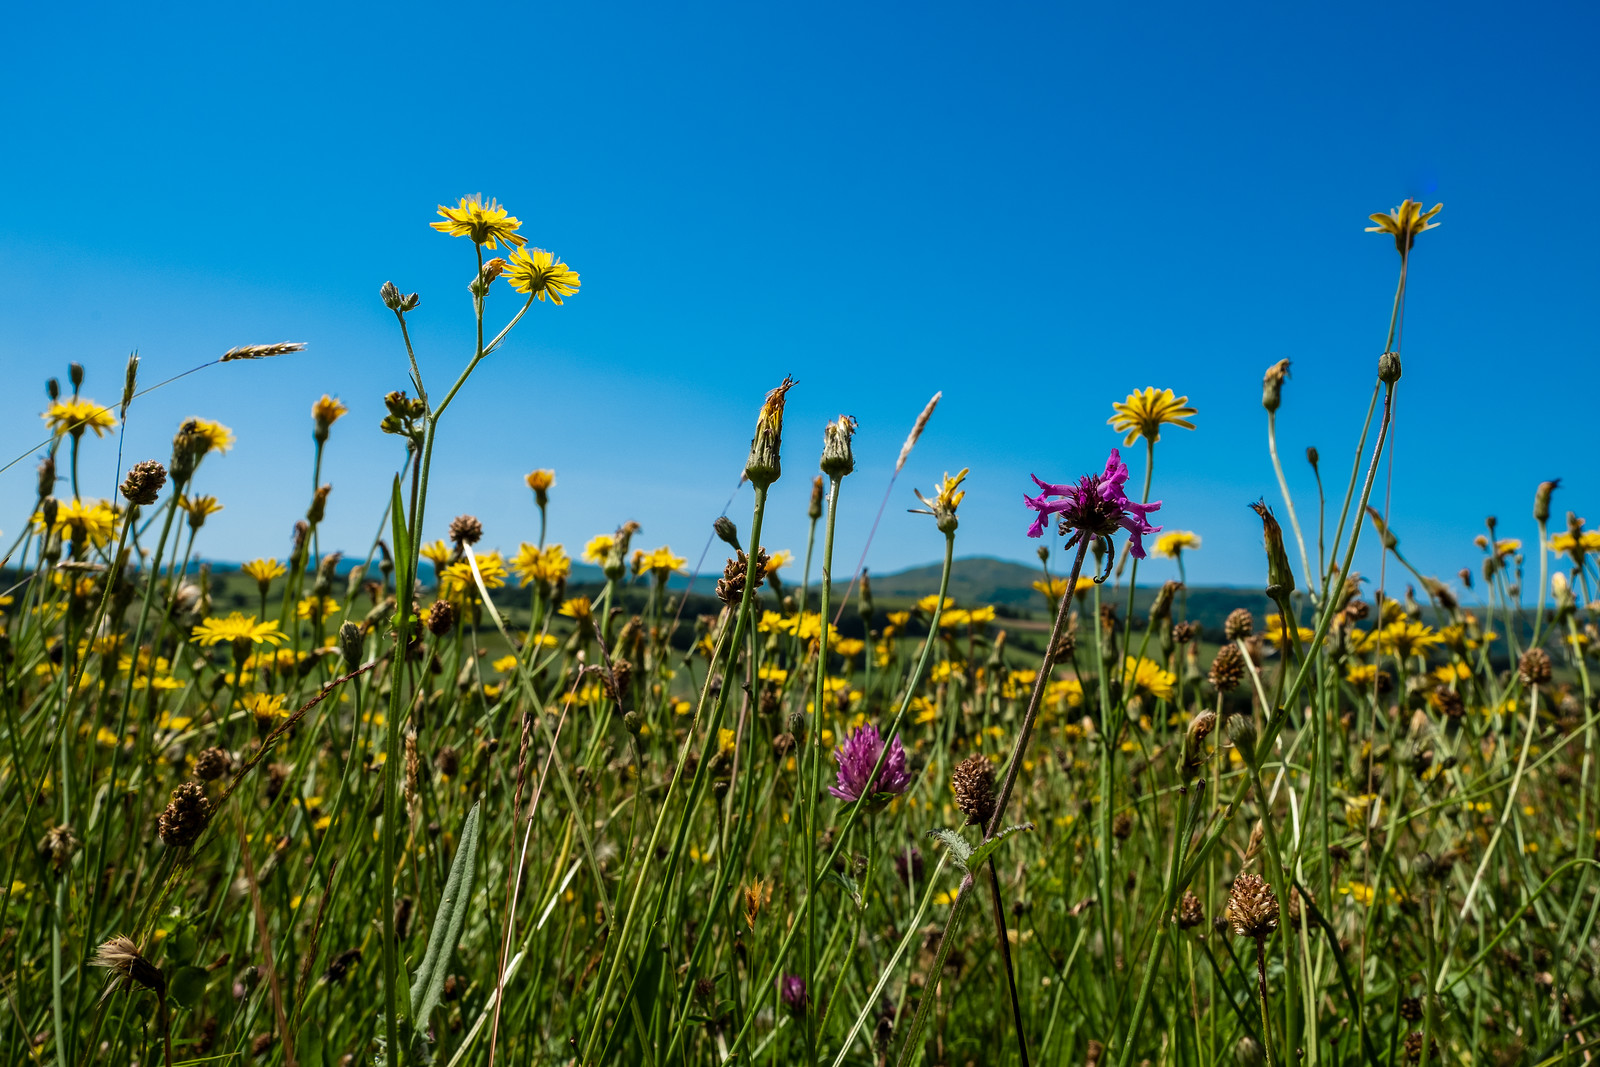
(1034,208)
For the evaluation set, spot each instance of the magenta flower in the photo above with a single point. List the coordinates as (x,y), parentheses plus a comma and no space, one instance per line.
(792,990)
(858,755)
(1096,507)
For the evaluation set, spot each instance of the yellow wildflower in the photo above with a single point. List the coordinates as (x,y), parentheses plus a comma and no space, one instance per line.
(76,415)
(91,521)
(504,665)
(1508,546)
(484,223)
(781,558)
(579,610)
(540,481)
(457,579)
(238,626)
(769,673)
(1146,411)
(214,436)
(533,564)
(1276,634)
(1405,223)
(199,508)
(928,604)
(850,647)
(541,274)
(264,570)
(1171,545)
(900,618)
(328,411)
(265,706)
(438,553)
(1147,676)
(314,607)
(597,548)
(1055,588)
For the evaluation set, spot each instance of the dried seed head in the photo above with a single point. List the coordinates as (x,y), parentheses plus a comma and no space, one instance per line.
(1194,742)
(973,784)
(1239,624)
(1184,632)
(1227,669)
(1252,908)
(441,618)
(1541,499)
(1534,667)
(47,477)
(916,432)
(814,508)
(339,966)
(58,846)
(1189,913)
(185,817)
(448,760)
(730,587)
(212,763)
(144,482)
(128,966)
(466,530)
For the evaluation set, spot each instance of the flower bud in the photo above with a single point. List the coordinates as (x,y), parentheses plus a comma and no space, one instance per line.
(814,509)
(1389,368)
(1386,535)
(765,465)
(1311,456)
(1194,738)
(389,293)
(1162,607)
(1242,736)
(837,458)
(52,389)
(319,504)
(75,376)
(1280,578)
(864,603)
(47,476)
(1541,500)
(350,644)
(729,532)
(1272,385)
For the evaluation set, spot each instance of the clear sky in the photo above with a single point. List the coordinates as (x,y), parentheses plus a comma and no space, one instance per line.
(1034,208)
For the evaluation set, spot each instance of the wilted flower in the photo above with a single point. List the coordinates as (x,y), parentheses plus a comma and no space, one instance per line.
(946,498)
(1097,506)
(972,782)
(858,756)
(1252,908)
(765,465)
(128,966)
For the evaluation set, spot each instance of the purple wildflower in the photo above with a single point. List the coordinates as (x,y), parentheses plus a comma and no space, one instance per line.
(792,990)
(858,755)
(1096,507)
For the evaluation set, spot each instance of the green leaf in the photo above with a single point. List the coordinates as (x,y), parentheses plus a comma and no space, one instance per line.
(960,850)
(401,539)
(187,985)
(847,883)
(987,849)
(427,985)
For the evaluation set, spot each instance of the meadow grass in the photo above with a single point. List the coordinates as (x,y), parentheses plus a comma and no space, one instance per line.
(439,807)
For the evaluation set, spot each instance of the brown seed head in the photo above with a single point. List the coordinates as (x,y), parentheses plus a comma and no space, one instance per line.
(465,530)
(1534,667)
(1239,624)
(973,784)
(1190,912)
(128,966)
(441,618)
(186,816)
(1227,669)
(212,763)
(144,482)
(1252,908)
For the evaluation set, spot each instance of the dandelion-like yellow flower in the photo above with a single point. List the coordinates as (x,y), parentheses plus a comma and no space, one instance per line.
(1055,588)
(266,706)
(264,570)
(328,411)
(1172,544)
(83,521)
(781,558)
(76,415)
(541,274)
(540,481)
(484,223)
(662,562)
(214,436)
(532,564)
(198,507)
(456,579)
(597,548)
(235,626)
(930,603)
(314,607)
(438,553)
(579,610)
(1146,411)
(1403,638)
(1405,223)
(1277,634)
(1148,677)
(1576,546)
(1508,546)
(1361,673)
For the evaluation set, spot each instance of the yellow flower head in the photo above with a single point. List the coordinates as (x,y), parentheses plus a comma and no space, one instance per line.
(533,564)
(1276,634)
(781,558)
(1406,637)
(1055,588)
(1171,544)
(1147,676)
(264,570)
(579,610)
(541,274)
(662,562)
(1405,223)
(265,706)
(484,223)
(198,507)
(540,481)
(850,647)
(314,607)
(328,411)
(928,604)
(83,521)
(1146,411)
(438,553)
(1508,546)
(208,435)
(1576,545)
(597,548)
(456,580)
(78,414)
(238,625)
(946,498)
